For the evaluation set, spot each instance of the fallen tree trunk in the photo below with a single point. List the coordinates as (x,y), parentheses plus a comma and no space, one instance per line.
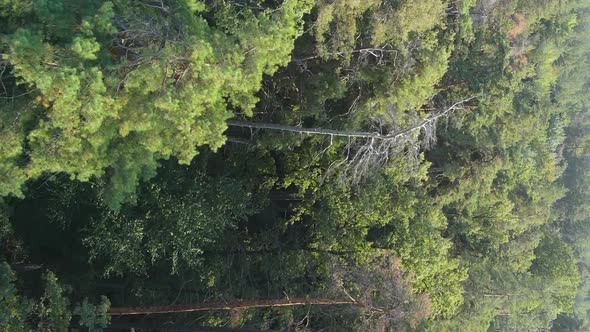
(368,151)
(233,305)
(350,134)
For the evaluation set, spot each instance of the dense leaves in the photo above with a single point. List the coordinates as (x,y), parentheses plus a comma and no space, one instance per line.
(52,312)
(442,187)
(123,92)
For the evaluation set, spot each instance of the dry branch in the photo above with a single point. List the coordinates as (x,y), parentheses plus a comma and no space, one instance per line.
(377,52)
(351,134)
(234,305)
(367,151)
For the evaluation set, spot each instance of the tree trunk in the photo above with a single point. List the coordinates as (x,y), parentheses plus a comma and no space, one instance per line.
(349,134)
(23,267)
(279,250)
(158,326)
(300,130)
(233,305)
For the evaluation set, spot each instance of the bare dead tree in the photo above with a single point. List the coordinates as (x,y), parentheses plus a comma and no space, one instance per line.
(484,10)
(367,151)
(384,291)
(379,293)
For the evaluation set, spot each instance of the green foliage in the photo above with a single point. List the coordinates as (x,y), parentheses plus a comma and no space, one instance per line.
(125,111)
(174,222)
(14,8)
(16,309)
(53,307)
(555,260)
(51,313)
(5,226)
(414,233)
(399,21)
(414,91)
(118,168)
(339,23)
(93,317)
(337,20)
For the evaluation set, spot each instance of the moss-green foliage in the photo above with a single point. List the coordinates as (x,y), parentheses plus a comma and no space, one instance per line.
(15,309)
(555,260)
(123,95)
(337,25)
(487,230)
(391,59)
(414,234)
(52,312)
(174,222)
(399,20)
(413,91)
(53,307)
(93,317)
(501,197)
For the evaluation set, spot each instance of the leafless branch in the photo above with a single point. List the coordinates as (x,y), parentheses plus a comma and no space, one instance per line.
(160,6)
(367,151)
(1,82)
(377,52)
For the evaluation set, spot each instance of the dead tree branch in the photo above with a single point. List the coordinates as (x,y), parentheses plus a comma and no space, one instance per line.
(367,151)
(352,134)
(377,52)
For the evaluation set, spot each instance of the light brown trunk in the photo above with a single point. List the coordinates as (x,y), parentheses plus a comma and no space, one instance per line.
(233,305)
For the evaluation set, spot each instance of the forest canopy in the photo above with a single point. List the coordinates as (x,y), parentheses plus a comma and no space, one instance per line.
(294,165)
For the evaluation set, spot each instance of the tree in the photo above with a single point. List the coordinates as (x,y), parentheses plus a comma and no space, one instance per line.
(174,223)
(165,85)
(51,313)
(303,189)
(380,292)
(375,148)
